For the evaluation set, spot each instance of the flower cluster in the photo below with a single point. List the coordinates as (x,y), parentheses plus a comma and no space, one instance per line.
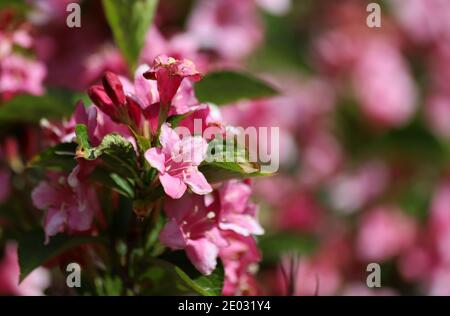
(207,221)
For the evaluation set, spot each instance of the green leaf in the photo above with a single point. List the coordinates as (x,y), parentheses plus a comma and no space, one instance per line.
(274,246)
(33,252)
(31,109)
(228,87)
(224,162)
(129,21)
(62,158)
(20,5)
(115,150)
(59,158)
(179,266)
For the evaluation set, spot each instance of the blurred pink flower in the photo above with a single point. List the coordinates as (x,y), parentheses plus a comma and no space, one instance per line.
(424,21)
(70,202)
(384,86)
(438,114)
(193,227)
(177,163)
(314,276)
(350,192)
(231,28)
(384,232)
(299,211)
(33,285)
(21,75)
(440,221)
(440,282)
(322,155)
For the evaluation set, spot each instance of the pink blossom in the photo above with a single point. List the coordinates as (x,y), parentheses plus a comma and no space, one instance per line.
(440,282)
(440,221)
(350,192)
(179,46)
(193,227)
(314,277)
(33,285)
(424,21)
(385,232)
(113,101)
(237,213)
(438,113)
(169,74)
(384,86)
(177,163)
(21,75)
(230,27)
(322,156)
(299,211)
(239,259)
(70,202)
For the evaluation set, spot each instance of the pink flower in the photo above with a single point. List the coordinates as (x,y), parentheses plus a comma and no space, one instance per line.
(33,285)
(193,227)
(20,75)
(232,28)
(236,212)
(384,86)
(425,21)
(239,259)
(349,192)
(438,113)
(299,211)
(177,163)
(112,100)
(385,232)
(169,74)
(69,201)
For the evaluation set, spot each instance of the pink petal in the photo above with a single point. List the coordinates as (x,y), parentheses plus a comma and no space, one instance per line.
(203,255)
(156,158)
(169,140)
(197,182)
(193,150)
(44,195)
(244,225)
(55,220)
(79,219)
(173,186)
(146,91)
(172,235)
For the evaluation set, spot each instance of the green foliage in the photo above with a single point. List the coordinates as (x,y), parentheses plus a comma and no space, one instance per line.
(31,109)
(175,269)
(226,162)
(116,152)
(129,21)
(274,246)
(59,158)
(34,253)
(227,87)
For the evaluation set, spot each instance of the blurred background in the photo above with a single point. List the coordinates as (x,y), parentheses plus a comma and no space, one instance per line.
(364,118)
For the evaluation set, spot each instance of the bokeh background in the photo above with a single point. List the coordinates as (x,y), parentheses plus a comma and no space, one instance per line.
(364,117)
